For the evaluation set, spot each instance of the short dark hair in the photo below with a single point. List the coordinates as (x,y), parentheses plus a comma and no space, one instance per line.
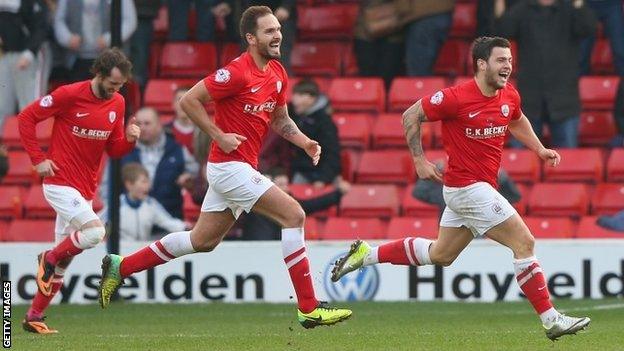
(249,19)
(482,48)
(306,86)
(109,59)
(130,172)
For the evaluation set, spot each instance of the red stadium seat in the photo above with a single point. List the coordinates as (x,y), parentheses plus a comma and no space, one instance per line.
(327,21)
(596,128)
(4,225)
(577,165)
(521,165)
(405,91)
(312,229)
(35,204)
(152,65)
(188,59)
(401,227)
(388,132)
(354,129)
(338,228)
(608,198)
(464,22)
(615,166)
(228,52)
(317,58)
(588,229)
(357,94)
(349,62)
(308,191)
(11,137)
(598,92)
(11,201)
(159,93)
(349,161)
(521,205)
(322,82)
(551,227)
(30,230)
(451,58)
(189,208)
(21,170)
(559,199)
(602,58)
(370,201)
(386,166)
(413,207)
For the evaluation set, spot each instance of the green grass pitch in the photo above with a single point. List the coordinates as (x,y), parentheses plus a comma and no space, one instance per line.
(374,326)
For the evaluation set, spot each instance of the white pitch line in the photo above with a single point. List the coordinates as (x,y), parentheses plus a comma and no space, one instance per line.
(594,308)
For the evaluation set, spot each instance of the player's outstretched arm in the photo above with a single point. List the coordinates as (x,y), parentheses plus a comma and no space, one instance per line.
(522,130)
(283,125)
(412,119)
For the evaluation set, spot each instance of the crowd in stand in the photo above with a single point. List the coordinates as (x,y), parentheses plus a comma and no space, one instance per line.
(58,40)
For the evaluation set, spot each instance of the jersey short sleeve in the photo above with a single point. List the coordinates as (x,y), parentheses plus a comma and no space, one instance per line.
(440,105)
(225,82)
(517,113)
(282,88)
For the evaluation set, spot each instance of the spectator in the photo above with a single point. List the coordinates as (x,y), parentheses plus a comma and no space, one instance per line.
(168,164)
(138,211)
(548,33)
(377,55)
(618,114)
(205,10)
(259,227)
(146,10)
(486,21)
(310,111)
(83,27)
(610,13)
(182,128)
(22,32)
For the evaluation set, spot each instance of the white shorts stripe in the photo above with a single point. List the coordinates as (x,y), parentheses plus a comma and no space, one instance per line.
(158,252)
(295,260)
(529,276)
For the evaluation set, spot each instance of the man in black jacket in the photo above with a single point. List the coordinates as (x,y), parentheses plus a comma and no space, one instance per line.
(22,31)
(310,111)
(146,10)
(549,33)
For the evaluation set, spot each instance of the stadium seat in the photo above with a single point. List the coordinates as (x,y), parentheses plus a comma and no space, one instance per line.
(312,229)
(349,61)
(615,166)
(21,170)
(385,166)
(602,58)
(464,22)
(588,229)
(4,225)
(462,79)
(349,161)
(405,91)
(189,208)
(228,52)
(338,228)
(451,58)
(551,227)
(35,204)
(308,191)
(326,21)
(521,205)
(354,129)
(559,199)
(152,65)
(577,165)
(388,132)
(598,92)
(317,58)
(522,165)
(608,198)
(596,128)
(401,227)
(11,201)
(11,137)
(357,94)
(30,230)
(322,82)
(188,59)
(159,93)
(413,207)
(370,201)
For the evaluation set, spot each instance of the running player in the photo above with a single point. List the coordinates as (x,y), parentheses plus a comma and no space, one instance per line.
(475,117)
(88,120)
(249,95)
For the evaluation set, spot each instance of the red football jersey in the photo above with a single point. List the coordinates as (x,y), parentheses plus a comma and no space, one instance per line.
(473,130)
(244,99)
(84,127)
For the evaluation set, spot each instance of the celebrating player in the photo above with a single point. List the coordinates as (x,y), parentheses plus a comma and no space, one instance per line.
(249,95)
(88,120)
(475,118)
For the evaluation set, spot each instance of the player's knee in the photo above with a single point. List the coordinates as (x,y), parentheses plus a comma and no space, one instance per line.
(525,246)
(443,259)
(91,236)
(295,218)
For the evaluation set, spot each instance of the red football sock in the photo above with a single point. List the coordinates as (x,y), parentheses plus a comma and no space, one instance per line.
(146,258)
(41,302)
(395,252)
(66,248)
(299,270)
(533,285)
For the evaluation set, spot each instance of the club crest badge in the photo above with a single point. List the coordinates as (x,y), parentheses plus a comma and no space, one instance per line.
(505,110)
(112,116)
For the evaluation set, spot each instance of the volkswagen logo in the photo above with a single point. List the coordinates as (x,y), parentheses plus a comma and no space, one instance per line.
(355,286)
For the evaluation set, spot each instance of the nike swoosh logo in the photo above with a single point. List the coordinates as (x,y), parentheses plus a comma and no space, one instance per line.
(473,114)
(254,89)
(82,114)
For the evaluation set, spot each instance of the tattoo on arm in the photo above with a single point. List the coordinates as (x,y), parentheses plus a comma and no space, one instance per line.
(283,124)
(412,118)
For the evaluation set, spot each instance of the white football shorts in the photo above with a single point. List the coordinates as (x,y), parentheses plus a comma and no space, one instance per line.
(72,210)
(234,185)
(478,206)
